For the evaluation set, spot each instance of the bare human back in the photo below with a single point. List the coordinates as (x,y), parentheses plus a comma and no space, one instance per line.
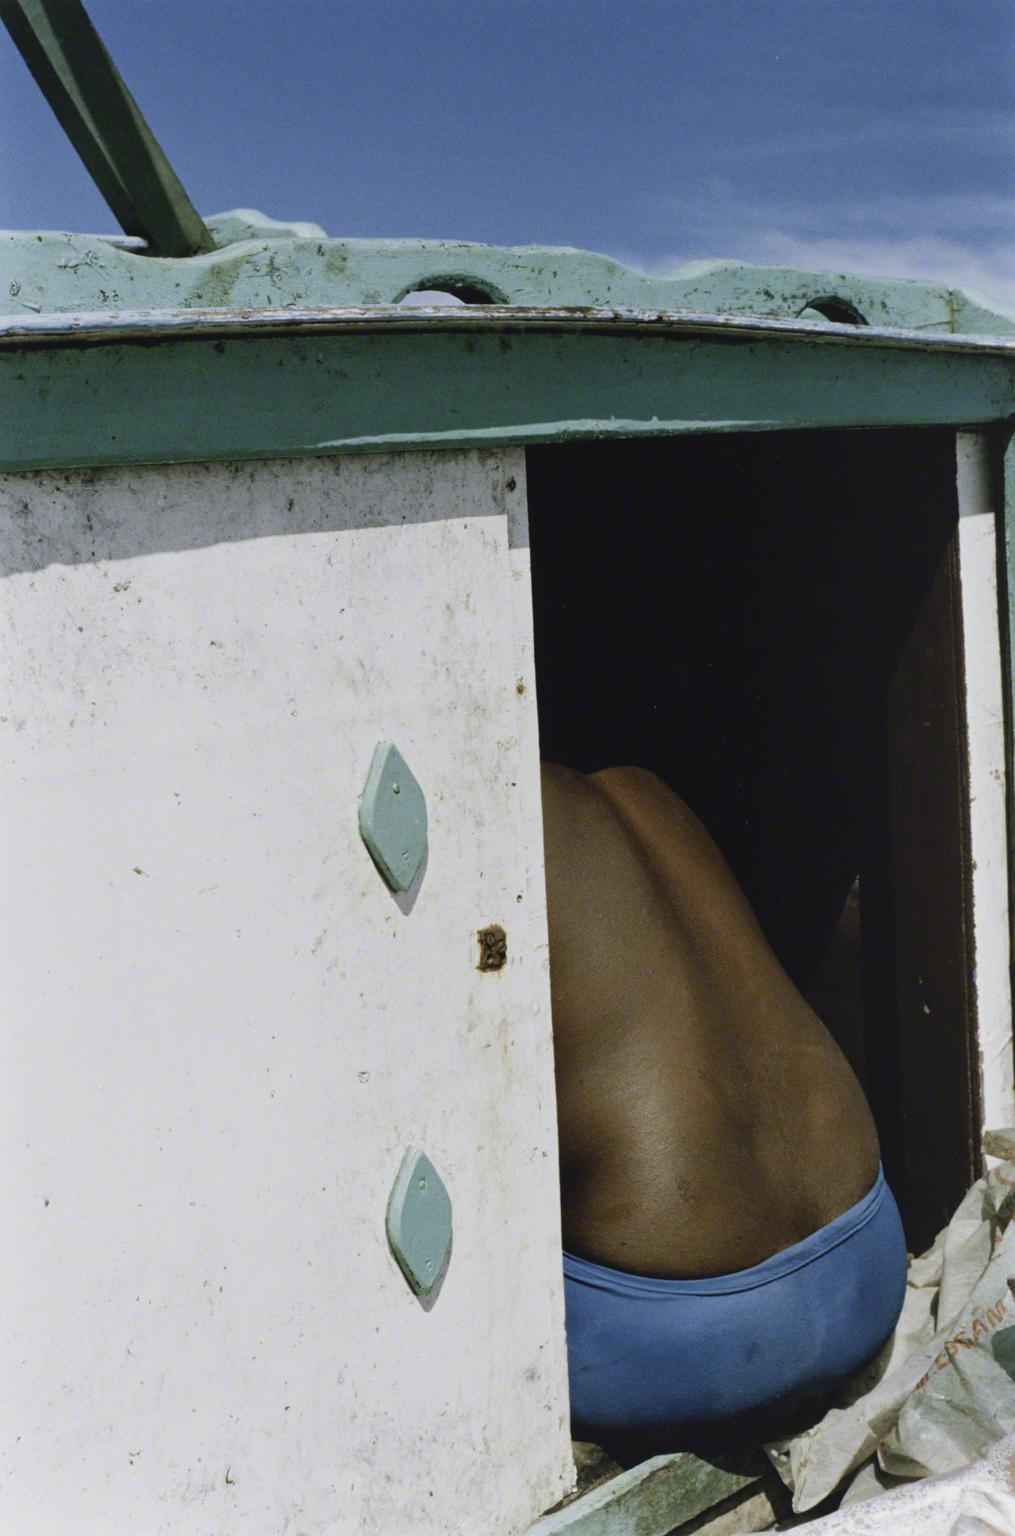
(707,1118)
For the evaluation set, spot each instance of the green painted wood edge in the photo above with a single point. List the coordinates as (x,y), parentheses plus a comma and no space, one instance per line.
(52,271)
(277,397)
(648,1500)
(86,91)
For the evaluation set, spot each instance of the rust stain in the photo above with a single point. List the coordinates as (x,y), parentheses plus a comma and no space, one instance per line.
(492,948)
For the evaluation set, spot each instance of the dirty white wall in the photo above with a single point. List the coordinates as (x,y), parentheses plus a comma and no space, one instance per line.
(979,513)
(221,1030)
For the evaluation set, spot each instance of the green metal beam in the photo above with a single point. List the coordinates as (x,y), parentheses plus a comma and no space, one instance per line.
(277,396)
(70,64)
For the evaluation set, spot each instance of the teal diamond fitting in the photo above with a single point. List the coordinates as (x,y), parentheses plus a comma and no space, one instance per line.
(392,817)
(419,1222)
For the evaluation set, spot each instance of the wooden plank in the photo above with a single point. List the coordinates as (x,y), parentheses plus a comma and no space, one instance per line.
(1005,448)
(916,905)
(934,888)
(647,1500)
(72,68)
(757,1508)
(979,493)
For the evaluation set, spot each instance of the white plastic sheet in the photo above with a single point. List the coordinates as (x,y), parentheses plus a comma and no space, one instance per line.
(977,1501)
(942,1393)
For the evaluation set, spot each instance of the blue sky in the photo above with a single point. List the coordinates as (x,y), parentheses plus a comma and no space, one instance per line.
(874,135)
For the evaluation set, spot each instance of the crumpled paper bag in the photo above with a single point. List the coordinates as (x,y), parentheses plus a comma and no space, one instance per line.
(942,1390)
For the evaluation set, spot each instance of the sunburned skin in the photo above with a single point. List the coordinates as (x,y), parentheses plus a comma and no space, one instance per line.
(707,1119)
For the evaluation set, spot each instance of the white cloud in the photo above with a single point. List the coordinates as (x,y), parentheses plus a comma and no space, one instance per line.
(986,127)
(961,240)
(985,270)
(431,297)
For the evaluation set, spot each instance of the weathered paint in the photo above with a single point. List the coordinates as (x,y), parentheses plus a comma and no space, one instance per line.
(648,1500)
(979,511)
(411,384)
(261,397)
(222,1029)
(73,327)
(42,271)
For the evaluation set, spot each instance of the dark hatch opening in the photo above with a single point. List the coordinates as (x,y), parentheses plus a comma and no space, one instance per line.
(770,621)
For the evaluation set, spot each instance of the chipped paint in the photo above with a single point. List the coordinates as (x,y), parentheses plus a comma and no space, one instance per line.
(285,266)
(63,329)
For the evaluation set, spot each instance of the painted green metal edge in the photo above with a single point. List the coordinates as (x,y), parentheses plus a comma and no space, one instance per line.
(267,264)
(178,401)
(648,1500)
(133,326)
(75,73)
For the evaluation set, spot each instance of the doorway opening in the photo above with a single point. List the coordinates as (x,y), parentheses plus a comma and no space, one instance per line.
(772,623)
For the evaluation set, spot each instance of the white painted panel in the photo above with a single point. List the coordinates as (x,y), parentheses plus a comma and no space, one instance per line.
(531,830)
(221,1030)
(978,546)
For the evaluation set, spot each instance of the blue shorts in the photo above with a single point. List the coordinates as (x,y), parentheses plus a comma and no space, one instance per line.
(647,1356)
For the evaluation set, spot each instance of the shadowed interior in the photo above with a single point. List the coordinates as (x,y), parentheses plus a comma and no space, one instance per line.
(770,623)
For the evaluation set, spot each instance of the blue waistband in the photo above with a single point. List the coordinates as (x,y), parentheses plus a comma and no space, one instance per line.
(648,1355)
(797,1256)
